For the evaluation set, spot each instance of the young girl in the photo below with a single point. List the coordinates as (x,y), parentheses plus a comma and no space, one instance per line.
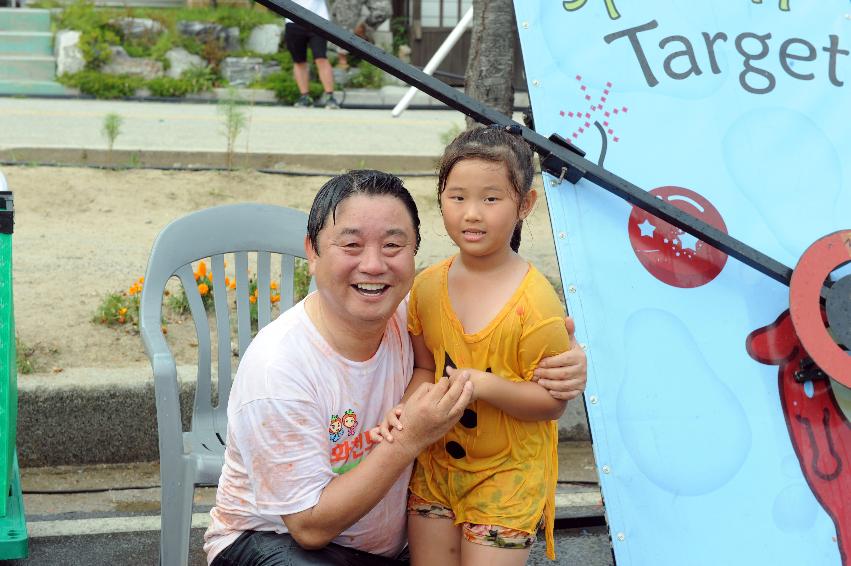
(480,495)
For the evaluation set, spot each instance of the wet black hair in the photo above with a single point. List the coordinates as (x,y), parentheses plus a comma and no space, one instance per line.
(367,182)
(497,144)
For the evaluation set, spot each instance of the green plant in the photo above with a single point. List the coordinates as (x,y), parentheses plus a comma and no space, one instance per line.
(120,307)
(169,87)
(285,88)
(399,29)
(230,107)
(368,76)
(101,85)
(200,79)
(81,15)
(95,45)
(179,303)
(25,357)
(111,128)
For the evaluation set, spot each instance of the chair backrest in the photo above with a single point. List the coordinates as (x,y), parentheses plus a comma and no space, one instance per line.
(237,229)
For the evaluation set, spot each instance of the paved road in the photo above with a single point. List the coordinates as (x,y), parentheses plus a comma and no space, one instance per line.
(64,123)
(585,547)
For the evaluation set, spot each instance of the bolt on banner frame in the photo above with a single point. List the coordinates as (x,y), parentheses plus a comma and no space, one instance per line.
(13,530)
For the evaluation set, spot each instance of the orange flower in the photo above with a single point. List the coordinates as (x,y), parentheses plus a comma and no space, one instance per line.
(273,285)
(197,275)
(121,319)
(202,269)
(122,311)
(141,280)
(252,299)
(275,298)
(203,289)
(227,282)
(232,284)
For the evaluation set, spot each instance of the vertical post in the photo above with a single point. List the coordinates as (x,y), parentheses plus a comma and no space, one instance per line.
(437,58)
(13,531)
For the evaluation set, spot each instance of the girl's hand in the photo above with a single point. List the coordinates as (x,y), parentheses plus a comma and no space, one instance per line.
(390,422)
(477,378)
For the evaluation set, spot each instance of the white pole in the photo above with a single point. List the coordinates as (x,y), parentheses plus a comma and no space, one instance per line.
(437,58)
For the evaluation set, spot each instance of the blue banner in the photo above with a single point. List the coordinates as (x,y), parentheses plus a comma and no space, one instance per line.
(710,450)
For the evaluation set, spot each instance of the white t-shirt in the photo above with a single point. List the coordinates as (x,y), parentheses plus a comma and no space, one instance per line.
(318,7)
(298,416)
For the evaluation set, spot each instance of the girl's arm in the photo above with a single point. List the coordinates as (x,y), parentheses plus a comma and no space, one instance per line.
(522,400)
(423,366)
(423,373)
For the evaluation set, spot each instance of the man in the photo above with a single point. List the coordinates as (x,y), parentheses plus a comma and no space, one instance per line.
(305,481)
(297,39)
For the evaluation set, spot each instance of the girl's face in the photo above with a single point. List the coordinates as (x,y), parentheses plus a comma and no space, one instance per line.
(480,207)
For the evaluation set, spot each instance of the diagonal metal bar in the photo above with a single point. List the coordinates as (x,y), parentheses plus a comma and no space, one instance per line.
(555,157)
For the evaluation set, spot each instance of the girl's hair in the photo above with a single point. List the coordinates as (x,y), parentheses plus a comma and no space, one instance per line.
(498,145)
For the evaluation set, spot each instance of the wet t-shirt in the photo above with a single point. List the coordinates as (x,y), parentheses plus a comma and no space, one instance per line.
(491,468)
(298,416)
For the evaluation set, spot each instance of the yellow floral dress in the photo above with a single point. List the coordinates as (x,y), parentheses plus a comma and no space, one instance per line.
(491,468)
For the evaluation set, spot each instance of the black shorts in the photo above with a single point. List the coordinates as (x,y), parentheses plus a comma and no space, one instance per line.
(298,38)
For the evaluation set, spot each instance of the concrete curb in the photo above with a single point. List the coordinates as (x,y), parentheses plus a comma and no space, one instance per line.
(107,416)
(180,159)
(92,415)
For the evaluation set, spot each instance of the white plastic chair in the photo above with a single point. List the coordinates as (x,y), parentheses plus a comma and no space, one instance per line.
(195,457)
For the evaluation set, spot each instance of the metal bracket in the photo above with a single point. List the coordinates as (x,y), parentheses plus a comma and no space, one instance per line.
(7,212)
(556,166)
(809,371)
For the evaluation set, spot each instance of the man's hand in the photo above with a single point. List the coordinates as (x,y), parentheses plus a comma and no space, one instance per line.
(431,411)
(565,374)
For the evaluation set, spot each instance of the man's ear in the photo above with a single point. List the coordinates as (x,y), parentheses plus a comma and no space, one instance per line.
(311,255)
(528,204)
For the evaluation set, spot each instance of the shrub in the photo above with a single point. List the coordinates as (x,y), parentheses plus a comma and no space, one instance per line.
(95,45)
(200,78)
(169,87)
(368,76)
(81,15)
(285,88)
(101,85)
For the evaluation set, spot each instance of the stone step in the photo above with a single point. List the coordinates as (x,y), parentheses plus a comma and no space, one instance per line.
(27,67)
(34,87)
(26,43)
(23,19)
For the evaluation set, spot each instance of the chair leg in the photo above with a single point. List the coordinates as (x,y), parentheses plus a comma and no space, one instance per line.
(178,489)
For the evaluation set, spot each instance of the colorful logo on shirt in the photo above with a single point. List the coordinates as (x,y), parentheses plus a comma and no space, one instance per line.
(349,453)
(335,428)
(350,421)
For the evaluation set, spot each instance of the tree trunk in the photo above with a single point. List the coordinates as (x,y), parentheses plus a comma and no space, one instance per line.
(490,66)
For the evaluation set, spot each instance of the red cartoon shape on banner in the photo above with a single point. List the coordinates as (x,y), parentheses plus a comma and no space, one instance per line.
(671,255)
(819,430)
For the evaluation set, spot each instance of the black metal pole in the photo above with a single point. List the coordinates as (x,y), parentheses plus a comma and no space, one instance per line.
(557,157)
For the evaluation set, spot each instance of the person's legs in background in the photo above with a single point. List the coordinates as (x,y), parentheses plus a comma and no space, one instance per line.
(296,39)
(319,48)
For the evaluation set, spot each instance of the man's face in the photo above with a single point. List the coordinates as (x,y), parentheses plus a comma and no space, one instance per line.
(365,264)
